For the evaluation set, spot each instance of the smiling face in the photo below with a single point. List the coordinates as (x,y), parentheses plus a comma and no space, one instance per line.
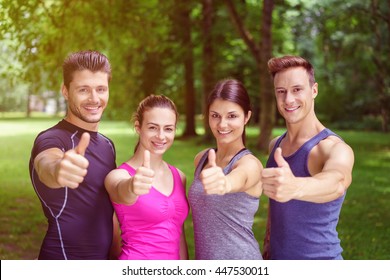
(227,121)
(87,98)
(294,95)
(157,130)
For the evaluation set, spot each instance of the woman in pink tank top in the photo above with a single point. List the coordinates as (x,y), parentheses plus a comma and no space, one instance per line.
(147,193)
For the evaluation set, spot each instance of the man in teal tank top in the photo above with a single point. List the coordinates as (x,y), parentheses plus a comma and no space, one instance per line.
(308,171)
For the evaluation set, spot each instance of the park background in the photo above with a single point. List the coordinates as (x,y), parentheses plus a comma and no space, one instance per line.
(180,49)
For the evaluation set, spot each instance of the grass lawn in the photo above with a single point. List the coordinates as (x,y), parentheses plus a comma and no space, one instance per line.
(364,225)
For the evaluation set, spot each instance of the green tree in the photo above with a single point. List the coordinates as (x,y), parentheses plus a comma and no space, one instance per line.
(261,53)
(182,25)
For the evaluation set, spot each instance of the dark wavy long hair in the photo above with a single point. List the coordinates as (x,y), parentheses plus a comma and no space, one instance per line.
(230,90)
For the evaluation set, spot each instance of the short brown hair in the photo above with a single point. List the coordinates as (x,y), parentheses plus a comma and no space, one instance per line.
(277,64)
(85,60)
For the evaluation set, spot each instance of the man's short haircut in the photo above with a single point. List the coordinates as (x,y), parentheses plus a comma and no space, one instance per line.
(278,64)
(93,61)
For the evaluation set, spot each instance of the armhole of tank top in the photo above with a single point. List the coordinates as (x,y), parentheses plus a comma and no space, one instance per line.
(325,133)
(243,152)
(239,155)
(202,162)
(331,133)
(128,168)
(176,177)
(277,144)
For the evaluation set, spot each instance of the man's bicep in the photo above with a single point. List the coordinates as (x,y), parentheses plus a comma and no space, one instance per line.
(341,160)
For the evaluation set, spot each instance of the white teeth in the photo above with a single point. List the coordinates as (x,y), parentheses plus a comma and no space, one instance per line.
(291,109)
(159,144)
(223,132)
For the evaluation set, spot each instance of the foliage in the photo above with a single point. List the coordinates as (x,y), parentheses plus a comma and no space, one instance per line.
(347,41)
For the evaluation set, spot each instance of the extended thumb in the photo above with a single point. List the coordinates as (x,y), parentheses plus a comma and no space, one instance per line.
(212,158)
(83,144)
(146,162)
(280,161)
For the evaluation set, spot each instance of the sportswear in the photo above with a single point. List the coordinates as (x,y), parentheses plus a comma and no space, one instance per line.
(299,229)
(79,220)
(223,223)
(152,226)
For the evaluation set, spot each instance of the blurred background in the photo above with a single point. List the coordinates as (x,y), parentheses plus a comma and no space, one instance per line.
(181,49)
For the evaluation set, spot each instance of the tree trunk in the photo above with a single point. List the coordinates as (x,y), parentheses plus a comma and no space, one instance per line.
(188,60)
(152,73)
(267,100)
(208,79)
(28,109)
(261,55)
(382,66)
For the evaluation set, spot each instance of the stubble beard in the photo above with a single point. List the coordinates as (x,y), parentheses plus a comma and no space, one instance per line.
(88,119)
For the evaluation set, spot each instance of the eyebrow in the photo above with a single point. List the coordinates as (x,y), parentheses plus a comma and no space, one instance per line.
(294,86)
(83,86)
(152,123)
(231,112)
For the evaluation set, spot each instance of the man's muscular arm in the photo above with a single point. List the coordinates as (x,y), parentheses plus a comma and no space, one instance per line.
(280,183)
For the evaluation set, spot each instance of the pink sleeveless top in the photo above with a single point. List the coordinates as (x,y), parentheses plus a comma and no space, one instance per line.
(152,226)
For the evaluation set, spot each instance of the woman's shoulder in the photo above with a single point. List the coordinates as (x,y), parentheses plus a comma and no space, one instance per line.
(181,173)
(199,156)
(178,173)
(249,162)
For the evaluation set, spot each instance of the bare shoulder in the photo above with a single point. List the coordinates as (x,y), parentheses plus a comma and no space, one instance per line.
(249,168)
(199,156)
(119,172)
(181,174)
(333,144)
(272,144)
(116,175)
(250,163)
(331,152)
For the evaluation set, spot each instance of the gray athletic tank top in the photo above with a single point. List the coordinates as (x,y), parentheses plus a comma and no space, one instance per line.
(223,223)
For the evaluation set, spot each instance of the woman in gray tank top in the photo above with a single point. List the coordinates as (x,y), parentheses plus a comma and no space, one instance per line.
(224,195)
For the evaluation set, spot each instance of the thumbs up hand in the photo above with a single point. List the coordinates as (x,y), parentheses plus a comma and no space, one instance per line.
(213,179)
(143,178)
(280,161)
(72,168)
(278,182)
(83,144)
